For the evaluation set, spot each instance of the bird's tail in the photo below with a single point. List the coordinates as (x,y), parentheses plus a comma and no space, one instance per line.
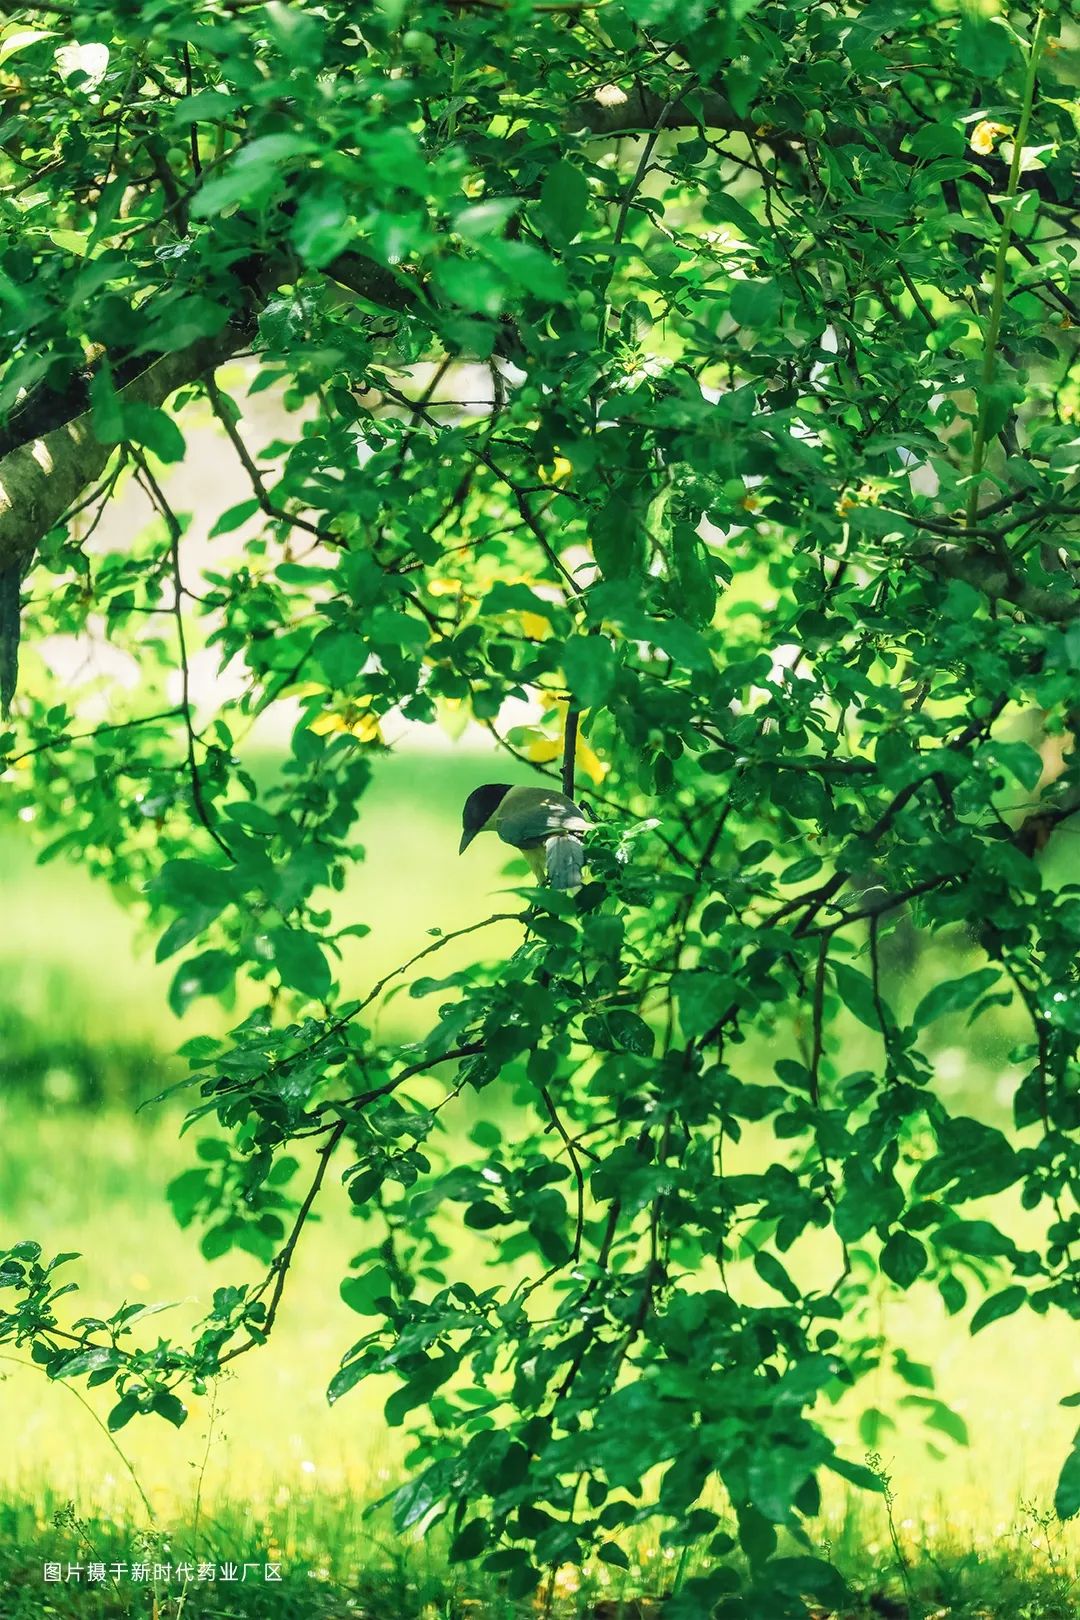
(565,860)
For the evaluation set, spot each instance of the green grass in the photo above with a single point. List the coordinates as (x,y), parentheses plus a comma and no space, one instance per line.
(335,1561)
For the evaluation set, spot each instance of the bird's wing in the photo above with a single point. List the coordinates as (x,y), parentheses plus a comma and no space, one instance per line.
(535,822)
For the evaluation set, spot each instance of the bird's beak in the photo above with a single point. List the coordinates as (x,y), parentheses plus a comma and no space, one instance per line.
(466,839)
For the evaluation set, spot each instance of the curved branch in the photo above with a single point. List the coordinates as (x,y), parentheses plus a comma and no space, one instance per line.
(39,480)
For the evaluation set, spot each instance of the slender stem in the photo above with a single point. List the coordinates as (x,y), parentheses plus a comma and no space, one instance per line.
(172,525)
(579,1175)
(569,758)
(997,299)
(63,738)
(31,1366)
(278,1271)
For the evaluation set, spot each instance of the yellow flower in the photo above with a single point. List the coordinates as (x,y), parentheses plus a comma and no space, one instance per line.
(353,718)
(594,767)
(535,626)
(985,133)
(545,750)
(558,472)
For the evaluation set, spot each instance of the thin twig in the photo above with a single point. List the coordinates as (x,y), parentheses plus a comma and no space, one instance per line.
(579,1175)
(172,524)
(63,738)
(283,1261)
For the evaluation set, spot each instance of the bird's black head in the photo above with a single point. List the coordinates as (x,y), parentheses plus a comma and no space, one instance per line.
(480,806)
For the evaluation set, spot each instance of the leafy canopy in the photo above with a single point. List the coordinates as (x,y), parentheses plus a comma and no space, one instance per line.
(705,375)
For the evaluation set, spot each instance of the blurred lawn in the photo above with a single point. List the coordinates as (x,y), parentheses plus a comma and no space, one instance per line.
(77,968)
(80,973)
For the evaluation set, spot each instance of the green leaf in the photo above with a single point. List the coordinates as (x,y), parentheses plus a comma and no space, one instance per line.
(726,207)
(208,974)
(943,1418)
(564,199)
(997,1306)
(345,1379)
(984,45)
(186,1192)
(84,1361)
(204,107)
(589,662)
(529,268)
(413,1502)
(871,1198)
(249,171)
(218,1240)
(233,517)
(1067,1494)
(74,241)
(808,1577)
(190,882)
(322,228)
(702,999)
(471,1540)
(692,576)
(936,140)
(757,1536)
(855,1474)
(362,1294)
(903,1259)
(857,994)
(1023,763)
(20,38)
(772,1272)
(185,929)
(629,1031)
(472,285)
(170,1407)
(617,536)
(954,995)
(488,217)
(684,644)
(364,1185)
(755,303)
(915,1373)
(123,1412)
(300,961)
(979,1238)
(107,408)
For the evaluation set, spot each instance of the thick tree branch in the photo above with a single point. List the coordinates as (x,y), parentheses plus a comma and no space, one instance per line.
(643,112)
(41,479)
(987,573)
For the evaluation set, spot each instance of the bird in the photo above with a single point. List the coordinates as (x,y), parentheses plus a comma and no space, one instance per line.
(544,825)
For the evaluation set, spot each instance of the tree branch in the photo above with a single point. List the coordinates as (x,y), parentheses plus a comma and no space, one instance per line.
(39,480)
(981,568)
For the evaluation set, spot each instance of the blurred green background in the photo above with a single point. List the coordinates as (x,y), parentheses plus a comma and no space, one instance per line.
(86,1036)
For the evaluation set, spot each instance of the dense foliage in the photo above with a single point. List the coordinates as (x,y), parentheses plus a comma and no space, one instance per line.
(704,374)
